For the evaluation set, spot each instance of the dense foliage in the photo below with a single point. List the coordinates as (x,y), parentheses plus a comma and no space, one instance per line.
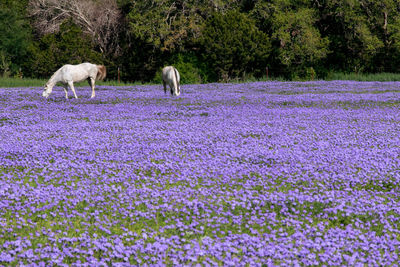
(210,40)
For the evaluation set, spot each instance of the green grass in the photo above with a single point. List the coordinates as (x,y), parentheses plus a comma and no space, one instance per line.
(381,77)
(17,82)
(28,82)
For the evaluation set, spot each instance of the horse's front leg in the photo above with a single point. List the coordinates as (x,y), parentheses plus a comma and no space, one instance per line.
(91,83)
(66,91)
(71,85)
(165,87)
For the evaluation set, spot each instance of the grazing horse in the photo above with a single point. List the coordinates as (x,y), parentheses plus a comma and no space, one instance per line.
(170,76)
(68,74)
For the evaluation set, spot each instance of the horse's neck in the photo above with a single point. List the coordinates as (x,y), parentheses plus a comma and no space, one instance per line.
(54,79)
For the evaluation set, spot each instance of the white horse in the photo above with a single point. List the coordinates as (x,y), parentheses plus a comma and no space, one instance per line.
(68,74)
(170,76)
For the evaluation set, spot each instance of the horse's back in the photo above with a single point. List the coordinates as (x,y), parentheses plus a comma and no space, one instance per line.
(168,73)
(77,73)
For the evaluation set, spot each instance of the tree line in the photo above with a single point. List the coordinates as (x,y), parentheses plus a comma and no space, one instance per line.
(207,40)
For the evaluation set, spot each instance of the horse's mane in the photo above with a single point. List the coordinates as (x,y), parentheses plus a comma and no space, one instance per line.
(101,72)
(54,74)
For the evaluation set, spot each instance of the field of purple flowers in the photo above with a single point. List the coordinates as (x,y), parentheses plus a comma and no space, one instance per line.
(260,173)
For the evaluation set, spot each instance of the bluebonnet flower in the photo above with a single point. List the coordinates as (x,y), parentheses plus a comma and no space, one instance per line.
(264,173)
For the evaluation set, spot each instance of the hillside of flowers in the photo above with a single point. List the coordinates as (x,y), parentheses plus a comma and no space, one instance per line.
(265,173)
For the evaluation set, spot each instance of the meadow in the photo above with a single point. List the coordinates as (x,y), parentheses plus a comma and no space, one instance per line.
(262,173)
(11,82)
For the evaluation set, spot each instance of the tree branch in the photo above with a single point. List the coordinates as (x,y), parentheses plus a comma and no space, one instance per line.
(100,19)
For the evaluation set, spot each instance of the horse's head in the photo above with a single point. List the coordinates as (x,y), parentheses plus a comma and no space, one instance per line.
(177,90)
(47,91)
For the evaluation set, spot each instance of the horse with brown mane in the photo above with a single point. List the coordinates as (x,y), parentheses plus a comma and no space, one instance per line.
(68,74)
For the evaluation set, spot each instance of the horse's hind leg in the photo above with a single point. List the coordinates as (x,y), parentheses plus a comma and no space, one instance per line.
(91,83)
(71,85)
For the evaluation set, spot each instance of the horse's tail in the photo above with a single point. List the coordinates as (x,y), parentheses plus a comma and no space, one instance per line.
(101,72)
(176,79)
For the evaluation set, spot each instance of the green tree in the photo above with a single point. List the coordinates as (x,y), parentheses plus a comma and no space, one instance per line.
(353,43)
(158,31)
(68,46)
(298,46)
(155,31)
(15,37)
(392,53)
(384,22)
(208,39)
(168,24)
(233,46)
